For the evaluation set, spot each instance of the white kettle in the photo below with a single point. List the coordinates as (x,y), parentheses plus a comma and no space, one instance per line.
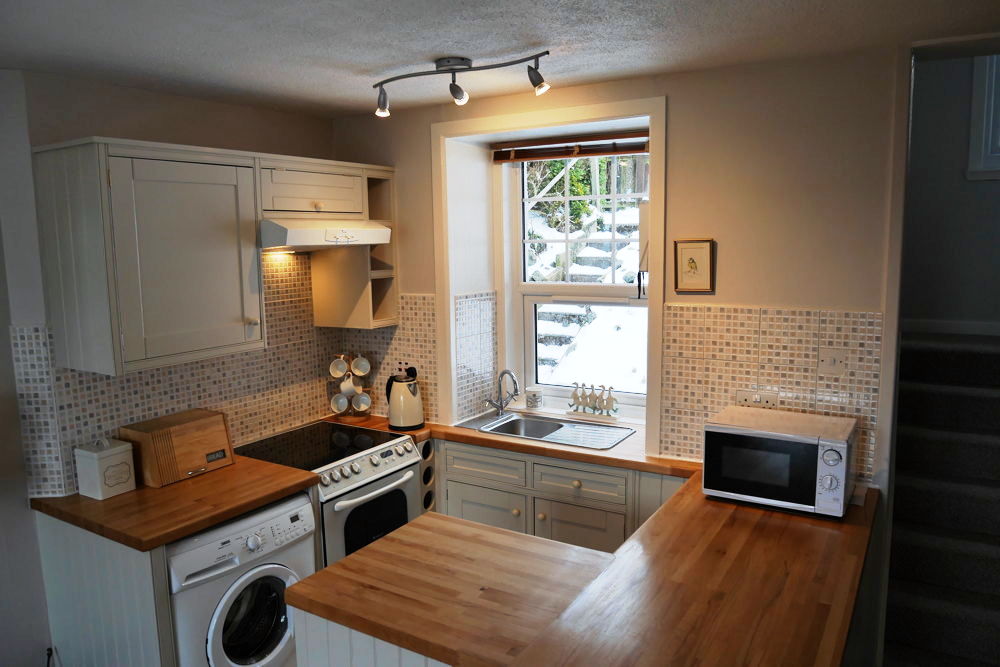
(406,409)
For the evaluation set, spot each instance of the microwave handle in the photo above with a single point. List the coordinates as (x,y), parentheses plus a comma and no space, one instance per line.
(354,502)
(739,430)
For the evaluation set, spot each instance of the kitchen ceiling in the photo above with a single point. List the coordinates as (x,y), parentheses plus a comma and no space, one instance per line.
(323,56)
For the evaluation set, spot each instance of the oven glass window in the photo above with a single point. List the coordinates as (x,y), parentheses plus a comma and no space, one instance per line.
(766,468)
(376,518)
(256,622)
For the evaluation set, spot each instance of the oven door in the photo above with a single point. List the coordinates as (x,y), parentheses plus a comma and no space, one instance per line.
(365,514)
(766,468)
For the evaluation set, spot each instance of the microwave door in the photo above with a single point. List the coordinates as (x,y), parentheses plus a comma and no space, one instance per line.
(762,466)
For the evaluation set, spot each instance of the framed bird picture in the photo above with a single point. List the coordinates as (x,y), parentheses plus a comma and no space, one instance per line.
(694,265)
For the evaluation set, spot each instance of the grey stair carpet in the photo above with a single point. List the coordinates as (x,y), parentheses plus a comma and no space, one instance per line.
(944,591)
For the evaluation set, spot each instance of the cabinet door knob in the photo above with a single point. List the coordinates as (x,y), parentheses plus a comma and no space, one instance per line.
(540,516)
(516,512)
(576,484)
(318,205)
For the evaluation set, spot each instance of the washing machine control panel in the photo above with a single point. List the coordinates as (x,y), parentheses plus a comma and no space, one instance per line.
(246,543)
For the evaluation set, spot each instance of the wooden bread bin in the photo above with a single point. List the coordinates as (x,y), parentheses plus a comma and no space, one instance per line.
(179,446)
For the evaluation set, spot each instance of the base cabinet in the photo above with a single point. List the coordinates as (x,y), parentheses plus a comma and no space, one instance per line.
(490,506)
(587,505)
(582,526)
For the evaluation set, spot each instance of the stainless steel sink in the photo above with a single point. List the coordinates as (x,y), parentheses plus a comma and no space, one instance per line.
(558,431)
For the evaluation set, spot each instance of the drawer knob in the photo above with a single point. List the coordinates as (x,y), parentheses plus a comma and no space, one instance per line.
(576,483)
(516,512)
(318,205)
(541,516)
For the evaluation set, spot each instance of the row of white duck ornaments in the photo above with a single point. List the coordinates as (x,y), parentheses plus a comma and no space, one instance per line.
(596,402)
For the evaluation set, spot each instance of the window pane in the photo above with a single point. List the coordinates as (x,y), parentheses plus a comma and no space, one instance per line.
(590,176)
(627,263)
(632,173)
(538,176)
(591,344)
(545,220)
(544,262)
(591,262)
(627,219)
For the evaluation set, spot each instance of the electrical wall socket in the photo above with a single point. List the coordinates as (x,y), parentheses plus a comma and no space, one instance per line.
(832,361)
(757,399)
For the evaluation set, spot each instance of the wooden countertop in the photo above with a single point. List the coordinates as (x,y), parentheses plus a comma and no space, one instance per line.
(702,582)
(460,592)
(706,582)
(630,453)
(151,517)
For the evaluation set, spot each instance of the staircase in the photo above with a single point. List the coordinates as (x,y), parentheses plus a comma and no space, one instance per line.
(944,578)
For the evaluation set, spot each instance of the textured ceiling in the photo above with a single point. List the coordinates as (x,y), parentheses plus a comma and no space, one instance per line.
(323,56)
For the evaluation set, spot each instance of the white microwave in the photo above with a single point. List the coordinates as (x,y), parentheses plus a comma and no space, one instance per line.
(782,459)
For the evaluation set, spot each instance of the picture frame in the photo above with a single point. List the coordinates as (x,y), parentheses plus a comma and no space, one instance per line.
(694,265)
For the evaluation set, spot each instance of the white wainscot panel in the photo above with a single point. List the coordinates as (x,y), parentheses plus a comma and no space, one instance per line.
(320,643)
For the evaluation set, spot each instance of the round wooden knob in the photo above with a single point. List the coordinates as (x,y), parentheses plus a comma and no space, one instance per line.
(318,205)
(577,484)
(516,512)
(540,516)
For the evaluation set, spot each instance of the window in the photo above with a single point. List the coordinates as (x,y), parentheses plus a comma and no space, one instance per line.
(579,251)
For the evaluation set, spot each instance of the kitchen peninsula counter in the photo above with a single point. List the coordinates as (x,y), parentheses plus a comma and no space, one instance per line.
(702,582)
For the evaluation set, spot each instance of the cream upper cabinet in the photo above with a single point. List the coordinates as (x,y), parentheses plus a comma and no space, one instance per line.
(149,257)
(185,254)
(311,191)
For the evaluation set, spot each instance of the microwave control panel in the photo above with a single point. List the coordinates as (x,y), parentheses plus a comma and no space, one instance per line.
(833,480)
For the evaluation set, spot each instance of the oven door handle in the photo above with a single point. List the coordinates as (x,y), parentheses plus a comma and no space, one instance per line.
(344,505)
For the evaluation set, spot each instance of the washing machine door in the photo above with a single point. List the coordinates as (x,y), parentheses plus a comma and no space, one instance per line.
(251,625)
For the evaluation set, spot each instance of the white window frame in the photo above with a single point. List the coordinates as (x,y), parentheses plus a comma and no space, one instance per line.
(532,293)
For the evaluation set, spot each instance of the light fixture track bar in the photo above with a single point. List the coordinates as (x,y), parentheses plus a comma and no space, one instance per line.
(465,69)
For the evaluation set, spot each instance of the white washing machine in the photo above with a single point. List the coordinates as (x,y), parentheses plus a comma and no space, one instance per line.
(227,587)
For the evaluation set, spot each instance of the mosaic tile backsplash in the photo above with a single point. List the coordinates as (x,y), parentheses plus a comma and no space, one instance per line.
(262,392)
(711,352)
(476,352)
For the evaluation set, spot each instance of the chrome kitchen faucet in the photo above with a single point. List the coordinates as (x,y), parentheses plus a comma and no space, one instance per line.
(503,401)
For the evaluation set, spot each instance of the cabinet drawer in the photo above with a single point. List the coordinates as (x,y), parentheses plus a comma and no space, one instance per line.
(494,508)
(582,526)
(606,487)
(286,190)
(474,464)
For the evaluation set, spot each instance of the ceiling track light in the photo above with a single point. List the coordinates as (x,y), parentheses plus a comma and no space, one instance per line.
(457,92)
(453,64)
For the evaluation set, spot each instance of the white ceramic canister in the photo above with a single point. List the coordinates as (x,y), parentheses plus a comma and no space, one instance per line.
(104,468)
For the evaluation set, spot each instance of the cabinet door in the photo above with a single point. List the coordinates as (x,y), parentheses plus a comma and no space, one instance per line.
(185,256)
(489,506)
(290,190)
(582,526)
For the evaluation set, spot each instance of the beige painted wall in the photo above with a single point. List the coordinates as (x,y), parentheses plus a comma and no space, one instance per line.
(61,108)
(785,164)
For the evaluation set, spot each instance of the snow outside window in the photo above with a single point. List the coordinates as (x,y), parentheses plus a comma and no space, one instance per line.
(579,246)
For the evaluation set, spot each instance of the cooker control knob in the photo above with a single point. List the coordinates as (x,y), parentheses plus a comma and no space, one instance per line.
(255,542)
(828,482)
(398,450)
(345,471)
(831,457)
(408,447)
(335,475)
(374,459)
(355,468)
(324,479)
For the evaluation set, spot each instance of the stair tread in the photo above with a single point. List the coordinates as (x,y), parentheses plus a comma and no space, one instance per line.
(954,389)
(951,342)
(986,439)
(937,535)
(899,654)
(960,484)
(981,607)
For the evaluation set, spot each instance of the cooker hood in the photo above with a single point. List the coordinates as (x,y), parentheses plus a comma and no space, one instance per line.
(305,234)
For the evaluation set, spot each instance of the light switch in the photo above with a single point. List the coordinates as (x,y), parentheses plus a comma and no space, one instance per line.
(832,361)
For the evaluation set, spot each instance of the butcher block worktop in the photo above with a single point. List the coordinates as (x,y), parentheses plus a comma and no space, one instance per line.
(702,582)
(460,592)
(151,517)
